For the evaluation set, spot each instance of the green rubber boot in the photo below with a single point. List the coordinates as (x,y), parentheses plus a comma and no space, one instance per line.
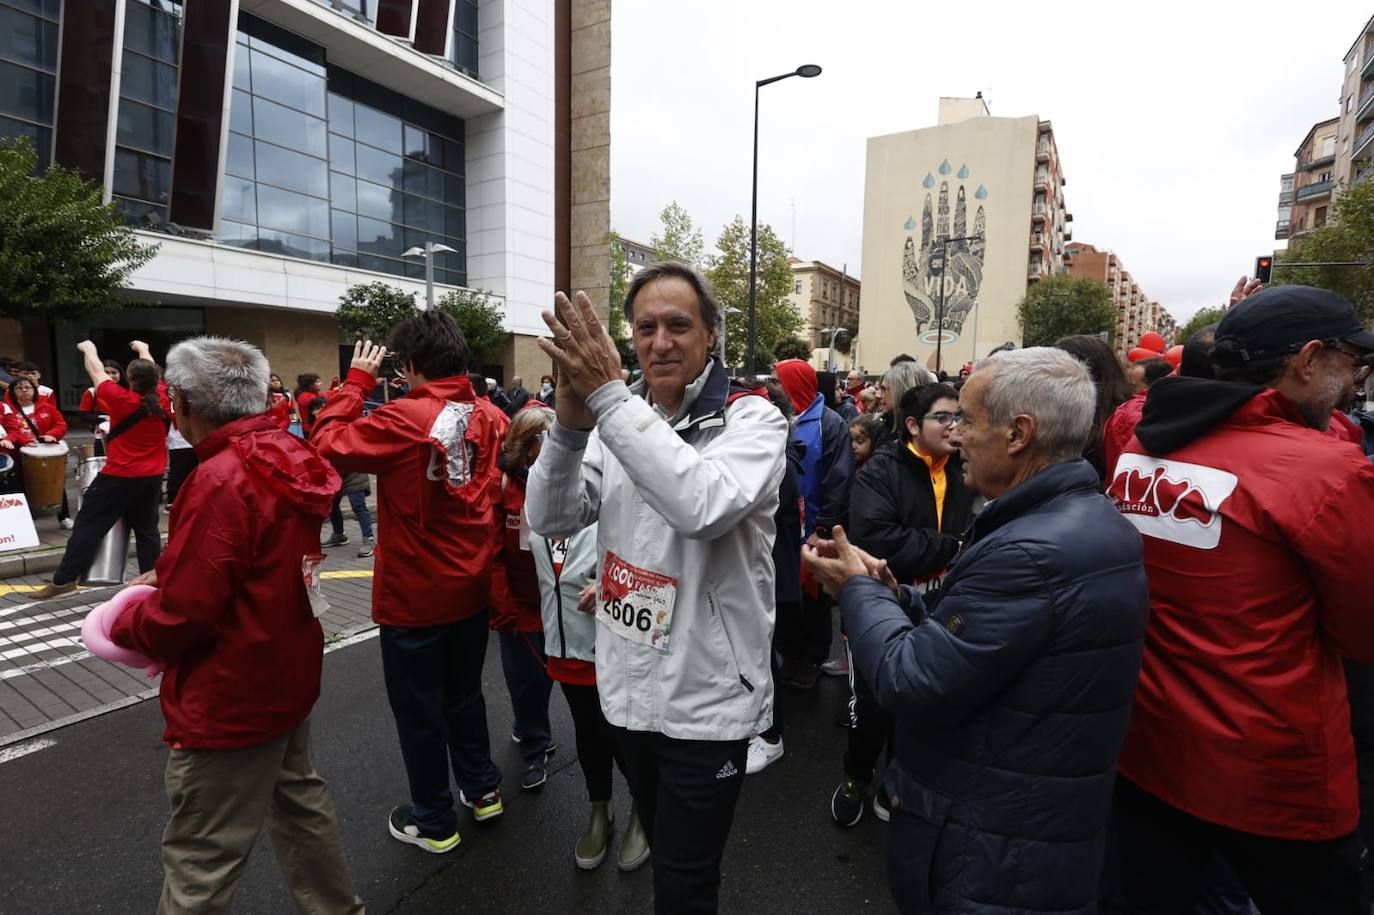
(634,845)
(591,848)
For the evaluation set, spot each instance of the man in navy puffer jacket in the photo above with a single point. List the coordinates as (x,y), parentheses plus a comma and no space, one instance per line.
(1012,689)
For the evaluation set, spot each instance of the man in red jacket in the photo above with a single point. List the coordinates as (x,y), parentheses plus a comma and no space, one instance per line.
(434,452)
(1255,522)
(234,622)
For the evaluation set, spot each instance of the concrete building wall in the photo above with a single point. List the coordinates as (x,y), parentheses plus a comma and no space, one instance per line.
(590,230)
(982,165)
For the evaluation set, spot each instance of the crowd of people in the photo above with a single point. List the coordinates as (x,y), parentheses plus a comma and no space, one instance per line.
(1109,634)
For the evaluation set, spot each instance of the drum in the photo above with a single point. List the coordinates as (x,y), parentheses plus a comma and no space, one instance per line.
(107,568)
(45,475)
(8,480)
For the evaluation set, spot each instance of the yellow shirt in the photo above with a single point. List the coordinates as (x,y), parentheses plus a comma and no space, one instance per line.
(938,480)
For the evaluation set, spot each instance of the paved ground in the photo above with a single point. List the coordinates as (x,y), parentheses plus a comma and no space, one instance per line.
(84,809)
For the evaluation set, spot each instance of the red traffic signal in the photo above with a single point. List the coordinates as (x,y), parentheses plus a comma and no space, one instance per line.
(1264,267)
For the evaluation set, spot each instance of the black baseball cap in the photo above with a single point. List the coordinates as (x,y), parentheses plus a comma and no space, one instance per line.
(1279,320)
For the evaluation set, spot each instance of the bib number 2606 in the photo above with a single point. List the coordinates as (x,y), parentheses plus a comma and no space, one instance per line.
(636,604)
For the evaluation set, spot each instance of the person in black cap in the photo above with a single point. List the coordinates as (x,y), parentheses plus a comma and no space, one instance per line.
(1254,508)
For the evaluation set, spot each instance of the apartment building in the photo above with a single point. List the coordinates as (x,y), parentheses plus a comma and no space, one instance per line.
(1313,179)
(1355,133)
(826,298)
(1136,313)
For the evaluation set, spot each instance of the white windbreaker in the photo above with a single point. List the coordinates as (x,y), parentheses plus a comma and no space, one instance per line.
(694,502)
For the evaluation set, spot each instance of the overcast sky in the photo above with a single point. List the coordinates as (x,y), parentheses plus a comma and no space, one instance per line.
(1174,119)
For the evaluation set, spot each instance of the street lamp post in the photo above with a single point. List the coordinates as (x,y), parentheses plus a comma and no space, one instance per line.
(427,252)
(807,71)
(727,310)
(943,244)
(833,332)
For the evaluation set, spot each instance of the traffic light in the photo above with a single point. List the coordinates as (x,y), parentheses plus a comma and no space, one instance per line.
(1264,266)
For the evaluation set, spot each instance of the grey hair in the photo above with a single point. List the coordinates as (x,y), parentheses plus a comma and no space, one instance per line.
(1048,384)
(221,379)
(901,378)
(706,296)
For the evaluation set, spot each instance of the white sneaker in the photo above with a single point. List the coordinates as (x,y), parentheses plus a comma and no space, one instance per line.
(762,754)
(836,667)
(67,524)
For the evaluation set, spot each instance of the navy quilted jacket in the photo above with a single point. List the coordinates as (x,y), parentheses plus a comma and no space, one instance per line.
(1012,696)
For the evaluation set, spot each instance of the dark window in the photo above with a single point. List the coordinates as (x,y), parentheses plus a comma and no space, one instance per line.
(378,128)
(25,93)
(142,177)
(377,166)
(465,36)
(152,32)
(40,136)
(26,39)
(340,114)
(144,128)
(148,80)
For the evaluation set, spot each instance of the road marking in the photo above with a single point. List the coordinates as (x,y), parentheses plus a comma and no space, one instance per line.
(24,749)
(348,573)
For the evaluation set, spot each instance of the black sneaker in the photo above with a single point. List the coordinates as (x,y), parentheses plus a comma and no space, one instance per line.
(403,829)
(337,540)
(535,774)
(847,803)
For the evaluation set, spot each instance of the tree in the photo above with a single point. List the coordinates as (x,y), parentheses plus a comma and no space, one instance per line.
(368,311)
(1061,306)
(481,321)
(1348,237)
(63,252)
(681,239)
(615,319)
(794,348)
(776,320)
(1198,321)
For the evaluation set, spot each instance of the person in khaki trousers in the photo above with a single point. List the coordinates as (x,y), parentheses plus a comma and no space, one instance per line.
(233,620)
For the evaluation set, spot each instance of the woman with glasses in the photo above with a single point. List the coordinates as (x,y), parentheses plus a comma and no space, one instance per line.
(910,506)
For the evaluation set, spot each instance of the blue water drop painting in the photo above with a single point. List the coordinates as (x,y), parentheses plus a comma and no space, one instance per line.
(910,223)
(981,193)
(929,182)
(945,167)
(963,172)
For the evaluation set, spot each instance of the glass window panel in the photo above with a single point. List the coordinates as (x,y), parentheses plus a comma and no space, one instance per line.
(455,189)
(378,202)
(375,165)
(289,85)
(240,200)
(344,228)
(293,213)
(375,237)
(343,191)
(421,179)
(41,138)
(344,258)
(292,170)
(341,154)
(467,17)
(241,68)
(240,159)
(142,127)
(453,157)
(424,213)
(377,128)
(466,54)
(27,39)
(26,93)
(148,80)
(275,242)
(415,143)
(455,223)
(49,8)
(241,112)
(152,32)
(340,114)
(287,46)
(234,233)
(142,176)
(289,128)
(381,264)
(140,213)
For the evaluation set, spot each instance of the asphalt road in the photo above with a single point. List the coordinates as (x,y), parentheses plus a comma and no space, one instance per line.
(83,818)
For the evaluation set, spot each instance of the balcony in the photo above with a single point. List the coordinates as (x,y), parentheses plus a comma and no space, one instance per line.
(1038,211)
(1042,179)
(1364,109)
(1318,163)
(1368,70)
(1036,269)
(1042,151)
(1365,136)
(1037,241)
(1285,197)
(1281,230)
(1314,191)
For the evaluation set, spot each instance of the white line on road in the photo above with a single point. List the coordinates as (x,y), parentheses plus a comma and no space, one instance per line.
(24,749)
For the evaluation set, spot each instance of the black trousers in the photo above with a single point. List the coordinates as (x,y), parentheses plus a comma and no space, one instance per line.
(597,748)
(786,610)
(685,792)
(1163,856)
(803,637)
(107,500)
(180,463)
(870,729)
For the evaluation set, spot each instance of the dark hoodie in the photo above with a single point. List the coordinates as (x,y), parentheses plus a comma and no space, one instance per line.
(1179,410)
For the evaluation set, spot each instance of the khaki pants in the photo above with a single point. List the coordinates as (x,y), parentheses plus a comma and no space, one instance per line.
(220,801)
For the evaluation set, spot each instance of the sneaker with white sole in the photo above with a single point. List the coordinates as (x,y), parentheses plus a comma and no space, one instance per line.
(847,803)
(880,805)
(836,667)
(368,548)
(337,540)
(485,807)
(67,524)
(762,754)
(403,829)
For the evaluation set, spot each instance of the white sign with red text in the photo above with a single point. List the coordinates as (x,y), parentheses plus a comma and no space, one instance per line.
(16,524)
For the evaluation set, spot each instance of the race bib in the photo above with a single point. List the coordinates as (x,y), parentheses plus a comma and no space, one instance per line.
(636,604)
(519,523)
(310,574)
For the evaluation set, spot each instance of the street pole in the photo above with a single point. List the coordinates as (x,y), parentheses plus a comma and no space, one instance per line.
(940,311)
(429,276)
(722,336)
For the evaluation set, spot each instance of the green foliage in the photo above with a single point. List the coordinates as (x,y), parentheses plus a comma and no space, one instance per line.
(1062,305)
(63,253)
(794,348)
(1349,236)
(776,319)
(681,239)
(480,320)
(615,319)
(368,311)
(1198,321)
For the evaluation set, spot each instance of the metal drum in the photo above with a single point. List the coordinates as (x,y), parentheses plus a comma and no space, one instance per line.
(45,475)
(108,566)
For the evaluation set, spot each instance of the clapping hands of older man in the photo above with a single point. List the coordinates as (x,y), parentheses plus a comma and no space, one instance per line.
(835,562)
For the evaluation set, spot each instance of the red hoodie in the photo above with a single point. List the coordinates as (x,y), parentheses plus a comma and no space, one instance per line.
(434,452)
(231,618)
(799,381)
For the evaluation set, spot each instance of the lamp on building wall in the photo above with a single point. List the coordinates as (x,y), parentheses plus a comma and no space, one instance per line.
(833,332)
(807,71)
(427,252)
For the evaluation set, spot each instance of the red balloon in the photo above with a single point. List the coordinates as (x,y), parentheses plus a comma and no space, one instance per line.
(1174,355)
(1139,353)
(1152,341)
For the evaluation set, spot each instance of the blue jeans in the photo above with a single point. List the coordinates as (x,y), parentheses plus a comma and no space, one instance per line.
(523,660)
(359,502)
(434,684)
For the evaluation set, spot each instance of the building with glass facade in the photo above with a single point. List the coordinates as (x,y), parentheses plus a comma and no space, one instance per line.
(281,151)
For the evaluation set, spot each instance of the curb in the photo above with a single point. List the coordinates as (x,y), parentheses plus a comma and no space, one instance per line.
(40,562)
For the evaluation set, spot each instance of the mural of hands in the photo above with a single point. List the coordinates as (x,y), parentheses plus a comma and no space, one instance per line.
(956,264)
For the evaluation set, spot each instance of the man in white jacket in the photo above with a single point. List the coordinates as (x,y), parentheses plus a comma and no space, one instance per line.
(682,472)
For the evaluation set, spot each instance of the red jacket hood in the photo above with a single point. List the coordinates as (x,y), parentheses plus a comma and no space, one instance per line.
(290,467)
(799,381)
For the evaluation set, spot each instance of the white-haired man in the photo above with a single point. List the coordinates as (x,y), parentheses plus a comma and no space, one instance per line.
(1012,688)
(233,620)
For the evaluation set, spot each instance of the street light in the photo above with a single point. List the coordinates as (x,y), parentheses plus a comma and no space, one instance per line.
(833,332)
(943,244)
(427,252)
(727,310)
(806,71)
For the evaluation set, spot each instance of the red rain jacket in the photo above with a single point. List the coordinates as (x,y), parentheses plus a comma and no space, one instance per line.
(515,584)
(1258,557)
(45,416)
(231,618)
(434,453)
